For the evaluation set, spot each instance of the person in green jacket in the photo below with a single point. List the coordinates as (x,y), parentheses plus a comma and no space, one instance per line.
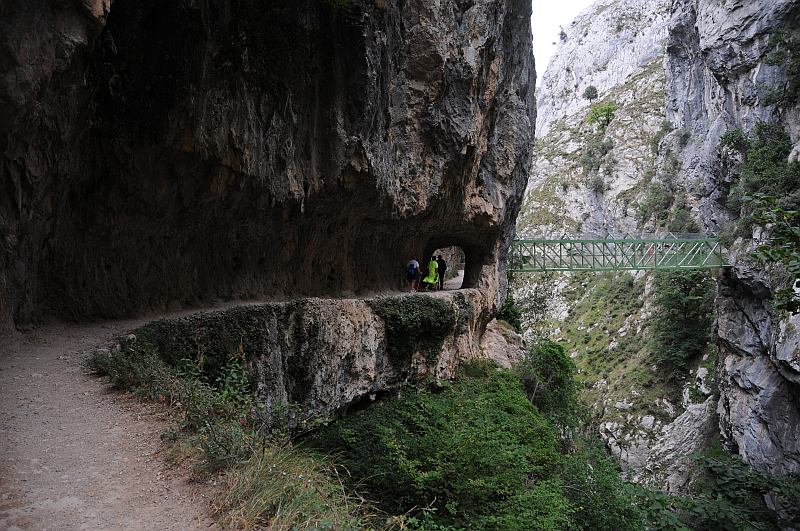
(432,280)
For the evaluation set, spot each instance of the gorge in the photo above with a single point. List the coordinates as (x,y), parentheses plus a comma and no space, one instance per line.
(238,186)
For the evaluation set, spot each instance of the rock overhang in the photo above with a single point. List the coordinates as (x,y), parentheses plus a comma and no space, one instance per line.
(186,152)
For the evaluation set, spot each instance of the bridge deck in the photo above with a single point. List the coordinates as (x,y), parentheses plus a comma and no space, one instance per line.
(616,255)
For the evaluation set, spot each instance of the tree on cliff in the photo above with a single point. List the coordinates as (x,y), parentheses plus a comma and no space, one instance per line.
(601,113)
(590,93)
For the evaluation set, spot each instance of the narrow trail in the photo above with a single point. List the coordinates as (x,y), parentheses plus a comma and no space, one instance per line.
(74,455)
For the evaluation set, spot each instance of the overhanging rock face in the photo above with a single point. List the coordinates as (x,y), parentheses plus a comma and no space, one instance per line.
(168,152)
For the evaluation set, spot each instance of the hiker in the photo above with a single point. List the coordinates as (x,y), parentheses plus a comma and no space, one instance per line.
(442,270)
(413,275)
(433,276)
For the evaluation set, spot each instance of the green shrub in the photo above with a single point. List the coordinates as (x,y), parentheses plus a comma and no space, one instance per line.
(548,375)
(511,313)
(727,494)
(222,417)
(601,114)
(592,484)
(666,127)
(597,184)
(681,322)
(657,201)
(475,455)
(592,156)
(782,246)
(764,168)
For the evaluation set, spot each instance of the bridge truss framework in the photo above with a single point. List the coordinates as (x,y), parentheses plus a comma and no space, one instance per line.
(698,252)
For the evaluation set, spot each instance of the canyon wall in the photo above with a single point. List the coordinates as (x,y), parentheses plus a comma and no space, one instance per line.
(691,70)
(720,78)
(168,153)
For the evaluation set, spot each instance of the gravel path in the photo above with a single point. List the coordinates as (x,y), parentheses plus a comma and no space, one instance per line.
(73,454)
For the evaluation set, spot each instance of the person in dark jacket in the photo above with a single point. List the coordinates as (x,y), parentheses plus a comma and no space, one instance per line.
(442,270)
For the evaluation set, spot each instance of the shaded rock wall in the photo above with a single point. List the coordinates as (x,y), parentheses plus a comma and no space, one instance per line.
(170,152)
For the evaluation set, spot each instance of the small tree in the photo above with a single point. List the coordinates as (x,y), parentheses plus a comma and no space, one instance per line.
(590,93)
(601,113)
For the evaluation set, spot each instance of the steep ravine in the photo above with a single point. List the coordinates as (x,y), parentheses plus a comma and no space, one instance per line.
(719,79)
(700,69)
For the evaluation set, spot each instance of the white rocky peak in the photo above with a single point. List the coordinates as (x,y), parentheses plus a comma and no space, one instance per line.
(602,47)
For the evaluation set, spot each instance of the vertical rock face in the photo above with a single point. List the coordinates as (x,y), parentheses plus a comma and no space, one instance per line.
(618,48)
(314,356)
(698,66)
(161,153)
(609,42)
(718,79)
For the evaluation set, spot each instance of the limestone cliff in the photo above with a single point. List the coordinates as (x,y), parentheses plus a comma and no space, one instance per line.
(657,166)
(584,180)
(167,153)
(718,78)
(602,47)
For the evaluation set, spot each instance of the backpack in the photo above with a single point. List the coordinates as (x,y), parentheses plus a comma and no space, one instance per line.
(411,269)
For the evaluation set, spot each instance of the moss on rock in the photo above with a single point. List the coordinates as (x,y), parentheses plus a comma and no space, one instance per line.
(414,323)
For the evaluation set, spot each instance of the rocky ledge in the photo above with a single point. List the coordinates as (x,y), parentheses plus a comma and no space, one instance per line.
(317,356)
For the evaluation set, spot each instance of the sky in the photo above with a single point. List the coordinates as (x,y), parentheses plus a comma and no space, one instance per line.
(548,15)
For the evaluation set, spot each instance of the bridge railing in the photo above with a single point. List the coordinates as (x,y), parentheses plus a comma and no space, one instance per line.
(617,254)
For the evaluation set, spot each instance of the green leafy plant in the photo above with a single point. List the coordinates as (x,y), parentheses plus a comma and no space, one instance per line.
(548,375)
(681,323)
(511,313)
(666,127)
(726,494)
(476,454)
(764,168)
(601,114)
(594,153)
(782,246)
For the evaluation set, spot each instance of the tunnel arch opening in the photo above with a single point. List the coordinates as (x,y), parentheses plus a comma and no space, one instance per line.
(452,259)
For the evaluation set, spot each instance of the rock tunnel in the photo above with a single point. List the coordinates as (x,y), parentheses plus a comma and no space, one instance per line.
(174,152)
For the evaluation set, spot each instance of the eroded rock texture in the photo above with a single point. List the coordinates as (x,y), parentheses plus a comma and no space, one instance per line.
(718,79)
(315,356)
(164,152)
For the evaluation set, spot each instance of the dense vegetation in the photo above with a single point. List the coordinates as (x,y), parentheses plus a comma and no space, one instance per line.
(495,449)
(764,167)
(477,454)
(681,325)
(766,190)
(726,494)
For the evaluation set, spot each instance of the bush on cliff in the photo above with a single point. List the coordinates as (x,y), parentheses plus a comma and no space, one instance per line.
(764,167)
(726,494)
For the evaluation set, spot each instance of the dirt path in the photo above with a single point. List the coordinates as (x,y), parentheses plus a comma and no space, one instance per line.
(74,455)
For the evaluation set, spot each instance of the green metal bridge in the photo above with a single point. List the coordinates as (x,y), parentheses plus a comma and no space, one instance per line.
(686,251)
